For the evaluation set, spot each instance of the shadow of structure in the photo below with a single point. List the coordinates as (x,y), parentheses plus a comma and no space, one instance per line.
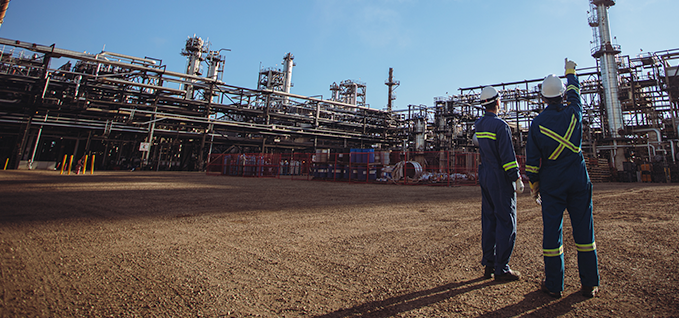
(404,303)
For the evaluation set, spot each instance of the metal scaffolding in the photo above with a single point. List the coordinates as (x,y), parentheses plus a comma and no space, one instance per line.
(128,109)
(132,113)
(647,89)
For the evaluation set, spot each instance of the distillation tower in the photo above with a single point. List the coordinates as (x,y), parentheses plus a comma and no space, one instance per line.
(392,85)
(605,51)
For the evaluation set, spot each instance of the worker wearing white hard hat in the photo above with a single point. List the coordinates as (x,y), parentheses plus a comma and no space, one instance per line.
(558,178)
(552,87)
(500,181)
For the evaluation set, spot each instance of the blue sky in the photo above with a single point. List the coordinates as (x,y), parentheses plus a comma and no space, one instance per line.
(434,46)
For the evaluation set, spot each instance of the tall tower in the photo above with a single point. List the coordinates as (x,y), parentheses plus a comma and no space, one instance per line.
(287,71)
(605,50)
(194,51)
(392,86)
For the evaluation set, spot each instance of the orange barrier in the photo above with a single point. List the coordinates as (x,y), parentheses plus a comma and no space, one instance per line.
(70,165)
(63,164)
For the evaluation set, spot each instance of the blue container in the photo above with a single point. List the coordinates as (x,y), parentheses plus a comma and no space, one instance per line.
(331,171)
(354,173)
(369,155)
(341,170)
(358,155)
(355,155)
(373,175)
(361,174)
(323,171)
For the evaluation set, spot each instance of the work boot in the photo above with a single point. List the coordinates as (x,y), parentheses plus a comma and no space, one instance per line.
(488,273)
(550,293)
(590,291)
(508,276)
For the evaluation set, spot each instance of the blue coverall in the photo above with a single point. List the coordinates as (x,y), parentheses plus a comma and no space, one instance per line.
(497,172)
(554,158)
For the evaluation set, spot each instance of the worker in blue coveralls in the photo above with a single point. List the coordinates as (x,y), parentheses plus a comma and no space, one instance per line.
(500,181)
(558,178)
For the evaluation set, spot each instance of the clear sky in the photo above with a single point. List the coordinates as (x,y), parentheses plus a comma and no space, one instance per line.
(434,46)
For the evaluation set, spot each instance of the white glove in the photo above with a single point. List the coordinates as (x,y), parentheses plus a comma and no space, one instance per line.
(535,191)
(518,186)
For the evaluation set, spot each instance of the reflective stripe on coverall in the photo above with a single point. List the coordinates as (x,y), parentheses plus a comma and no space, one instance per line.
(497,171)
(554,158)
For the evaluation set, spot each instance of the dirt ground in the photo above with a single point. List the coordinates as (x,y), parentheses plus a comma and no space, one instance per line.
(181,244)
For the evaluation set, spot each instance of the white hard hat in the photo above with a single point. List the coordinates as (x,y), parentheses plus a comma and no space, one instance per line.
(488,94)
(552,86)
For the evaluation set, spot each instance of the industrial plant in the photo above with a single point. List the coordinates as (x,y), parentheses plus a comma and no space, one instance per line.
(126,112)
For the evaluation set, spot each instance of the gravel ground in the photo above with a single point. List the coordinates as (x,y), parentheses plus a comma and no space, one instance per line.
(182,244)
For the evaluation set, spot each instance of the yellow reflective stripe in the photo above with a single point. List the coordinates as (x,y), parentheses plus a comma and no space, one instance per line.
(553,252)
(556,152)
(488,135)
(568,135)
(532,169)
(573,87)
(556,137)
(510,165)
(586,247)
(570,71)
(563,141)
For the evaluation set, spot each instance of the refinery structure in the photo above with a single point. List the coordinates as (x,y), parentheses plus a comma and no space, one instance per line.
(131,111)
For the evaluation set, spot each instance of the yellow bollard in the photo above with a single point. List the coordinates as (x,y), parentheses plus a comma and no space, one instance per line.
(85,165)
(6,162)
(70,165)
(63,163)
(92,165)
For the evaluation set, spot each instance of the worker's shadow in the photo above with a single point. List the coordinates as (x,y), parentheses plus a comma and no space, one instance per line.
(534,304)
(538,304)
(404,303)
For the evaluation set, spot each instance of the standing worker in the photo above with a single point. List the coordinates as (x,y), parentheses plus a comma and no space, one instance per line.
(500,181)
(558,176)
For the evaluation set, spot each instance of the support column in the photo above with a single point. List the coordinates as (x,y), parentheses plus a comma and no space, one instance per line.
(39,94)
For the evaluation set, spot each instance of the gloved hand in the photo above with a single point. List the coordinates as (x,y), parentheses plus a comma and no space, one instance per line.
(535,191)
(570,66)
(518,185)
